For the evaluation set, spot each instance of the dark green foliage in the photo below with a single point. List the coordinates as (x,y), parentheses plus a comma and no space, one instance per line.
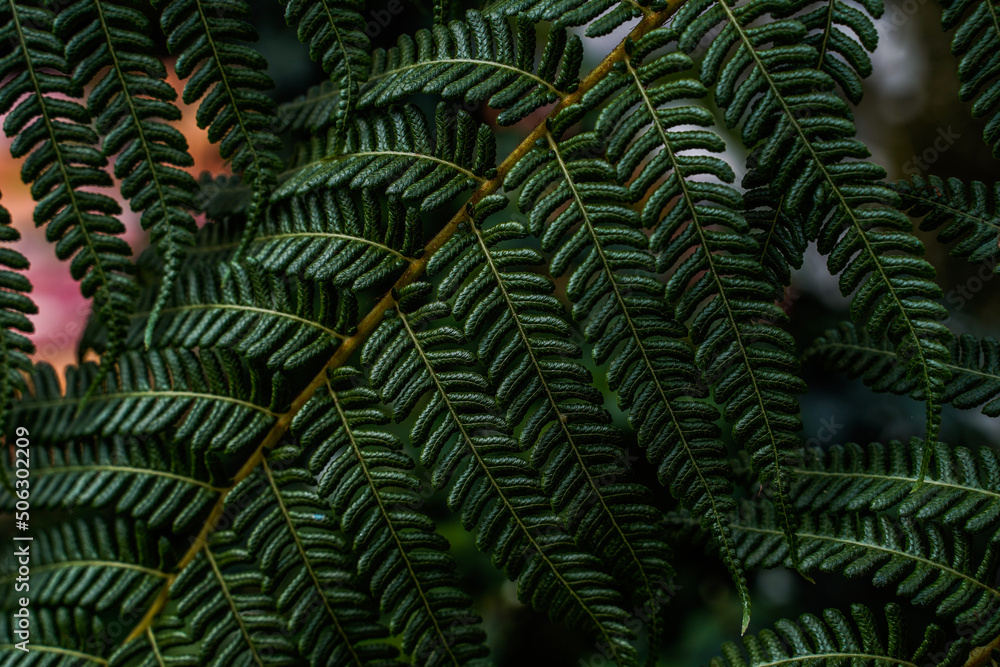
(395,154)
(16,306)
(475,292)
(957,211)
(129,103)
(522,337)
(976,32)
(55,136)
(467,445)
(960,490)
(821,641)
(803,138)
(335,34)
(369,481)
(479,60)
(209,38)
(975,367)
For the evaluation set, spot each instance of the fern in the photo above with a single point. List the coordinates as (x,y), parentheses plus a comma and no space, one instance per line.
(957,211)
(802,135)
(459,314)
(835,638)
(975,367)
(976,29)
(226,74)
(126,102)
(54,134)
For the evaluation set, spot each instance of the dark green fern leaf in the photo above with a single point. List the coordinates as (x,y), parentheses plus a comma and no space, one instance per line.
(569,13)
(227,75)
(334,30)
(714,277)
(975,367)
(84,574)
(478,60)
(287,324)
(976,33)
(962,488)
(780,240)
(394,153)
(926,563)
(583,216)
(311,114)
(331,236)
(14,310)
(109,45)
(53,132)
(957,211)
(803,137)
(466,443)
(368,478)
(523,339)
(844,57)
(835,640)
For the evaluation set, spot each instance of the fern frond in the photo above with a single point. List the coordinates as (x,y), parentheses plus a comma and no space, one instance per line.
(287,324)
(957,211)
(313,113)
(14,311)
(148,479)
(976,31)
(699,238)
(215,403)
(570,13)
(805,147)
(334,31)
(523,339)
(961,490)
(228,76)
(130,102)
(464,441)
(842,56)
(53,132)
(394,153)
(330,236)
(929,564)
(479,60)
(367,476)
(280,583)
(834,639)
(575,206)
(974,369)
(85,573)
(780,239)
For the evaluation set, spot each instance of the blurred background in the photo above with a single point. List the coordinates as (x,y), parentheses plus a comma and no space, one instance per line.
(910,111)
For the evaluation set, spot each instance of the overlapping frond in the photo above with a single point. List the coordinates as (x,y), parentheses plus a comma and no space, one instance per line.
(583,216)
(286,323)
(111,52)
(804,147)
(974,369)
(569,13)
(466,443)
(394,152)
(929,564)
(52,131)
(334,31)
(214,402)
(329,235)
(957,211)
(961,490)
(210,40)
(976,33)
(368,478)
(84,574)
(481,59)
(834,640)
(15,307)
(523,338)
(313,113)
(714,277)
